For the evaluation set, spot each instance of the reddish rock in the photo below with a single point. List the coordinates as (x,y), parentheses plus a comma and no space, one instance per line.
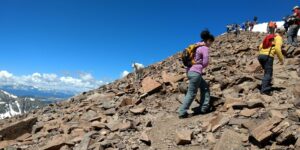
(148,85)
(183,137)
(248,112)
(276,113)
(230,140)
(85,142)
(297,145)
(16,129)
(237,121)
(138,110)
(219,121)
(113,125)
(23,137)
(296,90)
(211,138)
(255,103)
(286,135)
(254,67)
(125,126)
(171,77)
(230,102)
(55,144)
(126,102)
(98,125)
(263,130)
(145,138)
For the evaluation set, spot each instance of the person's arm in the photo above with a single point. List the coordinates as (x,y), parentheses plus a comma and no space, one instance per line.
(278,45)
(205,56)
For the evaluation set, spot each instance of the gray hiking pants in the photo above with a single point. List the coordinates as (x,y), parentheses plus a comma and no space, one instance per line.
(196,82)
(292,35)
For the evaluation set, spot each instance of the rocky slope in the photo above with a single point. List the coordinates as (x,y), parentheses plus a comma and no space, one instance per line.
(11,105)
(141,114)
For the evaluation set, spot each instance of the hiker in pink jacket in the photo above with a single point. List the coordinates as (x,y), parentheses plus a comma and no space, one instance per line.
(195,77)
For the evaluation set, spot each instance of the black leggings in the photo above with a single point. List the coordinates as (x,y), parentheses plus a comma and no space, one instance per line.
(267,64)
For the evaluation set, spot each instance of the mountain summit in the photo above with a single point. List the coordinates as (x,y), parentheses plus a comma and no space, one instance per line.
(133,113)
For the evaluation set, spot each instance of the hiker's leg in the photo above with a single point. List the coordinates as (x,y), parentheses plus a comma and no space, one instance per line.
(288,34)
(194,81)
(266,87)
(291,34)
(205,96)
(271,30)
(296,35)
(261,61)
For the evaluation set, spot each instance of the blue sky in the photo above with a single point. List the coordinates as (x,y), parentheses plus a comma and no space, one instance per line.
(103,37)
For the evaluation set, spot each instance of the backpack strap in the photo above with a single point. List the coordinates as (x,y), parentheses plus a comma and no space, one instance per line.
(270,52)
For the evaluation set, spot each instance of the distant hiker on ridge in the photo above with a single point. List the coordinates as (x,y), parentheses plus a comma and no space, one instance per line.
(229,28)
(255,19)
(237,29)
(246,25)
(270,47)
(294,27)
(196,60)
(251,26)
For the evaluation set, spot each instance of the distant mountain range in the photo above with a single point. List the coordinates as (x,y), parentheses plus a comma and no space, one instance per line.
(19,99)
(11,105)
(47,96)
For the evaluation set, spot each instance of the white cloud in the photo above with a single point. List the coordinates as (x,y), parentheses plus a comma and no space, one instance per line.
(124,73)
(45,81)
(70,80)
(50,77)
(86,77)
(5,74)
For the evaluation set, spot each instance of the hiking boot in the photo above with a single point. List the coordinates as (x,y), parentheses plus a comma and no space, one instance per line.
(186,115)
(199,111)
(205,110)
(266,93)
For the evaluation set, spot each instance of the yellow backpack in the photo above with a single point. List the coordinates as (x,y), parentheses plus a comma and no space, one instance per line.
(188,55)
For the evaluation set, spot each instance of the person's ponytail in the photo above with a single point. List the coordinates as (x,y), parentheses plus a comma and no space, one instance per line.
(205,36)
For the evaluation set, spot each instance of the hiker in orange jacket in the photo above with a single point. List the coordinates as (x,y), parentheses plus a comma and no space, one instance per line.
(271,27)
(270,47)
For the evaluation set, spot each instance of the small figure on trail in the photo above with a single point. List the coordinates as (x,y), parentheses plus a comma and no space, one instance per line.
(294,27)
(270,47)
(229,28)
(251,24)
(199,61)
(255,19)
(246,25)
(237,29)
(243,26)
